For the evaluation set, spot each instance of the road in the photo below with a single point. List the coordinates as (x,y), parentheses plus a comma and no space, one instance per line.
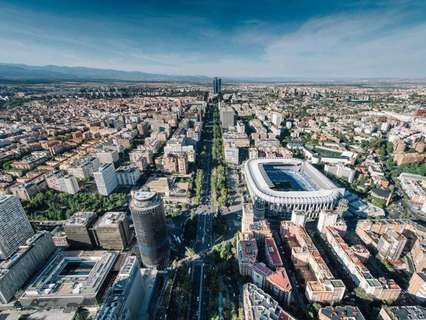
(204,236)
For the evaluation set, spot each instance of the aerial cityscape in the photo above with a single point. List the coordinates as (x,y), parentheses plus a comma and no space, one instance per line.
(212,161)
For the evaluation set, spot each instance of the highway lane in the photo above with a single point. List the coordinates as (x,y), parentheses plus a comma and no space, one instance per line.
(204,236)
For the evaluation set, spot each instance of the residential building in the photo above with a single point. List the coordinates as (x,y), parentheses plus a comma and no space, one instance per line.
(321,285)
(379,288)
(340,313)
(84,167)
(402,313)
(258,305)
(56,180)
(417,286)
(391,244)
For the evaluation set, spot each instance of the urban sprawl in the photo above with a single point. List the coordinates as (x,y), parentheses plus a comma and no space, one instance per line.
(218,200)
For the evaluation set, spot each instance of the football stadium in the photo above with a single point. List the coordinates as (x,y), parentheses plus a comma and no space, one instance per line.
(284,185)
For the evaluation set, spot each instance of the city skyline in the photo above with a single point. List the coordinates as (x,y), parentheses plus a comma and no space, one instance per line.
(354,39)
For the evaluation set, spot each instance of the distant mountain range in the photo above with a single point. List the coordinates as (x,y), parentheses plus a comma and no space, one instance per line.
(22,72)
(26,73)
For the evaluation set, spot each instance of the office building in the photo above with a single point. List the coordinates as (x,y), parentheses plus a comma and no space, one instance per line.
(106,179)
(80,232)
(123,300)
(70,279)
(128,175)
(370,232)
(217,85)
(24,263)
(112,231)
(59,237)
(227,117)
(147,211)
(232,154)
(14,225)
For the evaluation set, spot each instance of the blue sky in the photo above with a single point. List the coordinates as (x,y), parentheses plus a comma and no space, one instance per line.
(233,38)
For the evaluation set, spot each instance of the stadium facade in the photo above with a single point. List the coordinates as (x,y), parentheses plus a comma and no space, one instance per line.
(284,185)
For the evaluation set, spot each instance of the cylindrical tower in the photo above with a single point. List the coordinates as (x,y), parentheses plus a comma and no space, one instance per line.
(151,230)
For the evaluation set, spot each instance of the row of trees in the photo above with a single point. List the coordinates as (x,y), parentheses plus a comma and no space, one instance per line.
(198,183)
(218,180)
(222,273)
(53,205)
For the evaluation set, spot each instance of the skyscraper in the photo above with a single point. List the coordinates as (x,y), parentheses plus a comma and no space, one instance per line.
(15,228)
(217,85)
(150,226)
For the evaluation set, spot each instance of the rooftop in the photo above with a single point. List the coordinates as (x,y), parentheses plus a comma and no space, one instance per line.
(72,273)
(81,218)
(341,313)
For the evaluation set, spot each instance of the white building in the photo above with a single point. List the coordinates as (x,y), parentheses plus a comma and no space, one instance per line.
(84,167)
(107,155)
(340,171)
(326,218)
(232,154)
(276,119)
(15,228)
(128,175)
(62,183)
(106,179)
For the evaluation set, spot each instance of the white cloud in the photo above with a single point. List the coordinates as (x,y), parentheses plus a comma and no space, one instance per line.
(380,44)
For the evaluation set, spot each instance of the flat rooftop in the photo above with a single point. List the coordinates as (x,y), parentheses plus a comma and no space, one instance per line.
(72,273)
(81,218)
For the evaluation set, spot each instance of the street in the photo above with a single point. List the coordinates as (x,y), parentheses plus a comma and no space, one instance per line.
(204,236)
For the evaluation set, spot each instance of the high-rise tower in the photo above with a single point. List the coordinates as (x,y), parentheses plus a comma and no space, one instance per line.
(217,85)
(150,227)
(15,228)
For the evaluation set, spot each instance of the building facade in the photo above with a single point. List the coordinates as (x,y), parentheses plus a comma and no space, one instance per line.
(106,179)
(148,215)
(15,228)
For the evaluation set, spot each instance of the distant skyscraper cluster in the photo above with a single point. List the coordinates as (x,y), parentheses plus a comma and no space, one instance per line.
(217,85)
